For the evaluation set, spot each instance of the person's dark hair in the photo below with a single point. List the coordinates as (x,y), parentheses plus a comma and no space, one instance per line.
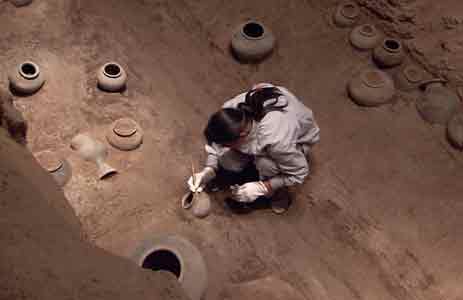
(225,125)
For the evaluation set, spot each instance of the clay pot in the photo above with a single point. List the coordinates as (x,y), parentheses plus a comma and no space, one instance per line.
(125,134)
(112,77)
(26,78)
(199,203)
(455,130)
(371,88)
(409,78)
(365,37)
(94,151)
(176,255)
(438,104)
(346,14)
(252,42)
(19,3)
(59,168)
(389,53)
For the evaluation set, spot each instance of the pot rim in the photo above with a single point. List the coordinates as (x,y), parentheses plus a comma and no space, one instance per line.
(412,74)
(369,83)
(388,49)
(251,37)
(350,15)
(112,75)
(29,76)
(366,33)
(125,132)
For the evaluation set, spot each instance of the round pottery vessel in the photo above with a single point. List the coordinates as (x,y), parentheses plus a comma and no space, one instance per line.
(346,14)
(438,104)
(193,271)
(125,134)
(26,78)
(365,37)
(409,78)
(59,168)
(94,151)
(371,88)
(19,3)
(252,42)
(112,77)
(455,130)
(199,203)
(389,53)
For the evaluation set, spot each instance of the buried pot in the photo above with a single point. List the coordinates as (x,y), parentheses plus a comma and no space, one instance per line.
(409,77)
(59,168)
(371,88)
(252,42)
(94,151)
(26,78)
(178,256)
(389,53)
(365,37)
(112,77)
(198,202)
(124,134)
(346,14)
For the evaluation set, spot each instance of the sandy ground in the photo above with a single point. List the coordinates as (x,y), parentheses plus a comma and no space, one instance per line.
(379,216)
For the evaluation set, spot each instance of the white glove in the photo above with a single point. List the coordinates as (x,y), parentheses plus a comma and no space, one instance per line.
(250,191)
(200,179)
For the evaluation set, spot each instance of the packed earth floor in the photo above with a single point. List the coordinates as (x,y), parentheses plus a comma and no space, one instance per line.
(379,217)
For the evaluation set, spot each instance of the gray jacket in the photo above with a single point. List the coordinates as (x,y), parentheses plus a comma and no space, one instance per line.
(279,136)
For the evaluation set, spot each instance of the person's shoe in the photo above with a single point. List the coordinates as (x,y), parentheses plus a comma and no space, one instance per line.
(280,201)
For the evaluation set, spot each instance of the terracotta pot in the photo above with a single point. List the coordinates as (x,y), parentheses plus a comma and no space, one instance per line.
(365,37)
(112,77)
(59,168)
(26,78)
(455,130)
(199,202)
(346,14)
(190,268)
(125,134)
(409,78)
(438,104)
(19,3)
(389,53)
(371,88)
(94,151)
(252,42)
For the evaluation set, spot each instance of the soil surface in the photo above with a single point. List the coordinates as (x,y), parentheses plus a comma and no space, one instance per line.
(379,216)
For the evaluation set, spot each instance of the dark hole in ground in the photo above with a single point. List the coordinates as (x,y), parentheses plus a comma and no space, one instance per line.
(253,30)
(112,70)
(163,260)
(28,69)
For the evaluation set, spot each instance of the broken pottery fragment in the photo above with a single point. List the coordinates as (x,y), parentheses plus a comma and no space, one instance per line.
(389,53)
(346,14)
(125,134)
(365,37)
(198,202)
(94,151)
(26,78)
(112,77)
(371,88)
(252,42)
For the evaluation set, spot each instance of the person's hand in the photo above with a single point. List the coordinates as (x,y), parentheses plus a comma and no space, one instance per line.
(250,191)
(197,181)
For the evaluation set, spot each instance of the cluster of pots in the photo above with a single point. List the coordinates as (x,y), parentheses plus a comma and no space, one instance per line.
(374,87)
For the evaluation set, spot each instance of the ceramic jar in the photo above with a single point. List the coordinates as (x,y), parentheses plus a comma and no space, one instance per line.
(124,134)
(112,77)
(199,203)
(94,151)
(389,53)
(26,78)
(193,277)
(409,77)
(438,104)
(252,42)
(19,3)
(371,88)
(59,168)
(365,37)
(455,130)
(346,14)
